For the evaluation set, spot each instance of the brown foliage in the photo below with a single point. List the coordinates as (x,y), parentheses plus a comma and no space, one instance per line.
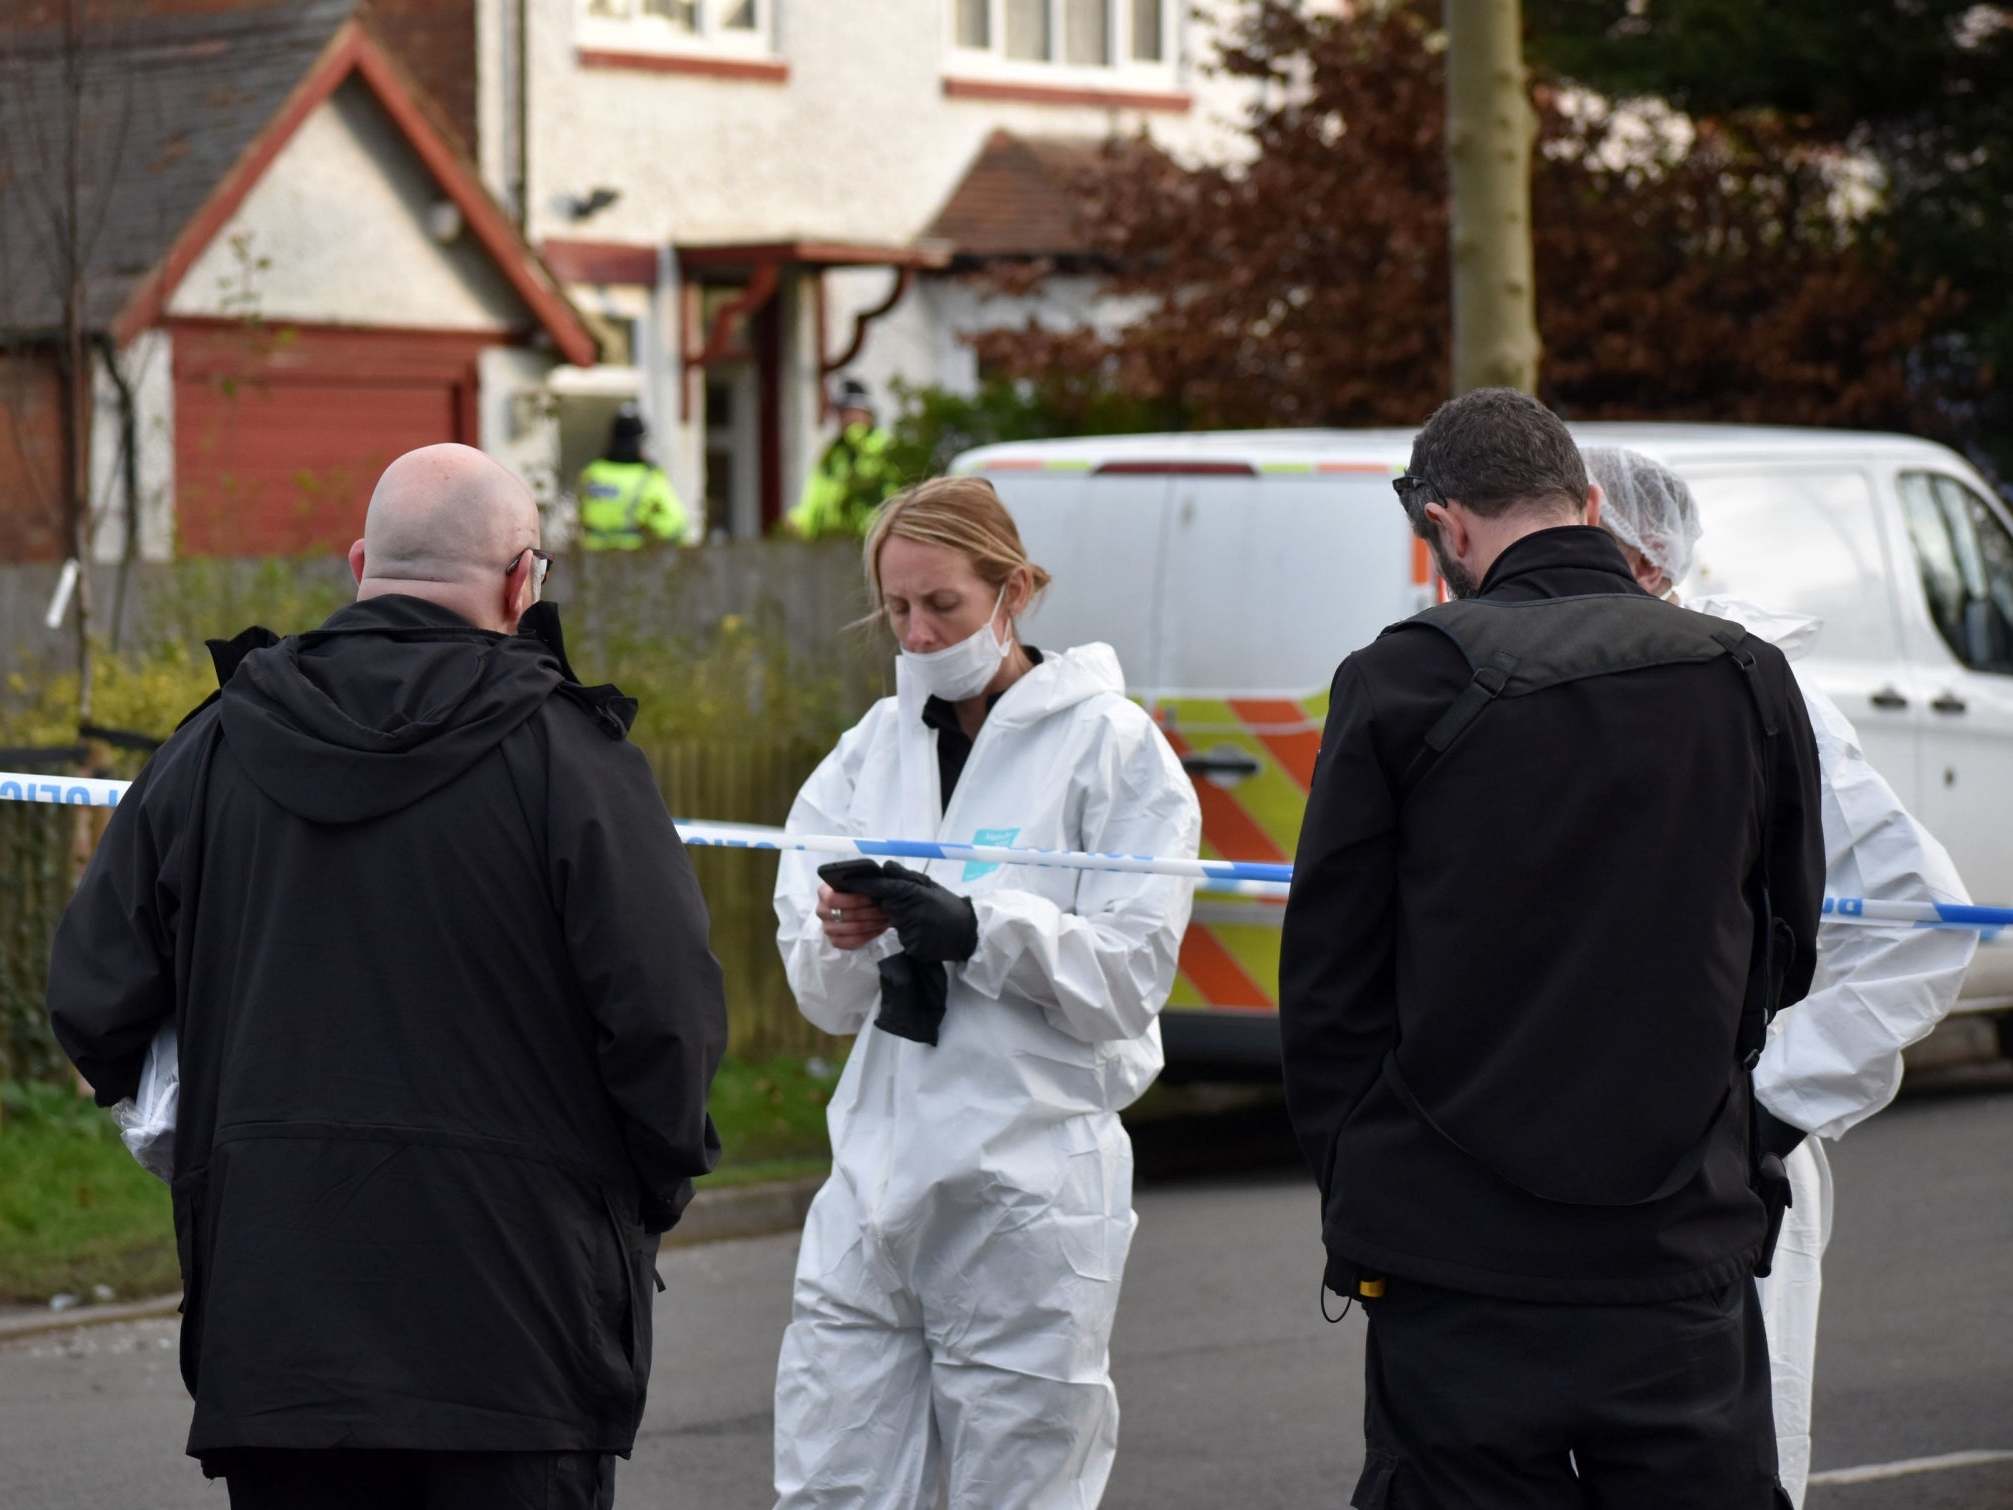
(1309,286)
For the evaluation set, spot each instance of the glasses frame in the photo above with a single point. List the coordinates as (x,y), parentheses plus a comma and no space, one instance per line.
(1406,484)
(541,568)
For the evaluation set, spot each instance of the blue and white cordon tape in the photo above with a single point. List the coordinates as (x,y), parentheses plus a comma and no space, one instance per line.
(754,836)
(1233,877)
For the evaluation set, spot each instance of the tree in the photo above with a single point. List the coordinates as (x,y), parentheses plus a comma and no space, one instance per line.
(64,132)
(1489,131)
(1915,89)
(1681,273)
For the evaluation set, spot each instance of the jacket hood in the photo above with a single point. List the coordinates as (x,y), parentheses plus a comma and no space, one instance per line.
(1791,633)
(389,700)
(1062,680)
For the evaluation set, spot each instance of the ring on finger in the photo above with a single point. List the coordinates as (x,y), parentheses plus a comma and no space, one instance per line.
(838,914)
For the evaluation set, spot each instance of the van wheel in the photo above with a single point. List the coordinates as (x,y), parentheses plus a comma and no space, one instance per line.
(2003,1023)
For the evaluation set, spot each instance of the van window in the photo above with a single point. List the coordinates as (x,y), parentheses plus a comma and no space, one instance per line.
(1965,555)
(1800,542)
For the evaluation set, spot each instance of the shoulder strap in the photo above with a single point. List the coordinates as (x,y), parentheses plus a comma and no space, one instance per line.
(1516,649)
(1487,684)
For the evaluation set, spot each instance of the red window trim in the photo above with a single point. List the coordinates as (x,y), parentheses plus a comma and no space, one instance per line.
(1173,102)
(747,70)
(600,261)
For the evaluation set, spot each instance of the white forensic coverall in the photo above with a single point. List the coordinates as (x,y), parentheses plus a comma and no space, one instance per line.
(960,1269)
(1834,1059)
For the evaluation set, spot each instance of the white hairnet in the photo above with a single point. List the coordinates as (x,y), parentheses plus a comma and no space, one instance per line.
(1646,505)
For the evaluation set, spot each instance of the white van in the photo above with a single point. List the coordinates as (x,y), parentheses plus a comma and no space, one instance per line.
(1233,571)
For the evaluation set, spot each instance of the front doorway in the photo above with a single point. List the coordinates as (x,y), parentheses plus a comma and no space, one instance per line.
(733,453)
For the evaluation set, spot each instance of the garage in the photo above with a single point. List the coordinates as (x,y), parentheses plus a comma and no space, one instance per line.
(297,278)
(279,436)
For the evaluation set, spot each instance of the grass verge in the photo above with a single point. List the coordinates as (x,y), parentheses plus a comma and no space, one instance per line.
(77,1213)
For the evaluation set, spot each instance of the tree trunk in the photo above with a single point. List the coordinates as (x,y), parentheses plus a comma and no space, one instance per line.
(76,427)
(1490,128)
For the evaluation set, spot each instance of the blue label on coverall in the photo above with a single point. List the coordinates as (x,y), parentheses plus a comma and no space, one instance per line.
(998,838)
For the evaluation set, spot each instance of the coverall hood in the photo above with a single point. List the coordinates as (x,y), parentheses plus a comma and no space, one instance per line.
(1791,633)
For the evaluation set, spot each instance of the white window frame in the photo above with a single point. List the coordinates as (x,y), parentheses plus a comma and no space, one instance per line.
(654,34)
(1124,71)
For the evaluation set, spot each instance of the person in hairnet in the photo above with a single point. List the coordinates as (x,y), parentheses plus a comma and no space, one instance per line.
(1833,1059)
(960,1269)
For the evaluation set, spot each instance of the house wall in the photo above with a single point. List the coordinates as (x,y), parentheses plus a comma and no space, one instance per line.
(31,458)
(337,232)
(852,137)
(922,340)
(858,142)
(147,365)
(516,422)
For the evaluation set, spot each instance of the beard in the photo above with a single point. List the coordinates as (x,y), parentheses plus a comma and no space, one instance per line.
(1460,581)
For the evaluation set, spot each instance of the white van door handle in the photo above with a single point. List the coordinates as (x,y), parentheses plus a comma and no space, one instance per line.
(1888,697)
(1949,702)
(1221,765)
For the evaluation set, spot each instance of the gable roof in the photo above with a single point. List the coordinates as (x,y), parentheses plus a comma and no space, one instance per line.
(1020,198)
(182,113)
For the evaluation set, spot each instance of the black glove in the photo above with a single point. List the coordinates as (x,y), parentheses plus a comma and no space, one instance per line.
(913,993)
(934,922)
(1775,1135)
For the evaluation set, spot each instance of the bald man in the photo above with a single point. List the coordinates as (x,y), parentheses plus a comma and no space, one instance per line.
(447,1020)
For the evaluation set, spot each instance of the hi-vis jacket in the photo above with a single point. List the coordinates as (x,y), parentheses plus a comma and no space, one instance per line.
(625,505)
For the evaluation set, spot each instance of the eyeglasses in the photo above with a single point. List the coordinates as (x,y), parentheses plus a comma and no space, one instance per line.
(541,568)
(1415,492)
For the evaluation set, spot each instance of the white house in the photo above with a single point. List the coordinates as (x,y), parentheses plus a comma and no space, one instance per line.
(340,229)
(296,274)
(749,197)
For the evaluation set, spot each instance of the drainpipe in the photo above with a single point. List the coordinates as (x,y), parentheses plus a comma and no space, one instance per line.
(129,480)
(520,168)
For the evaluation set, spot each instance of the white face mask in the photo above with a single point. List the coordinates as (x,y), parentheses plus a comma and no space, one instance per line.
(962,670)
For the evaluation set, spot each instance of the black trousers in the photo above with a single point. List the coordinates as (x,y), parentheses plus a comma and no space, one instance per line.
(344,1479)
(1512,1405)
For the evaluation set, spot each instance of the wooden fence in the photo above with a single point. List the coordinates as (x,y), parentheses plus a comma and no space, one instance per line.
(728,781)
(743,782)
(36,844)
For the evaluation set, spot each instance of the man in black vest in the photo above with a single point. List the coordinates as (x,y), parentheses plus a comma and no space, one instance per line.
(1536,928)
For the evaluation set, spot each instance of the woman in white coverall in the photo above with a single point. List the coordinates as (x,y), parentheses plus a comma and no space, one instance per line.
(1833,1059)
(960,1268)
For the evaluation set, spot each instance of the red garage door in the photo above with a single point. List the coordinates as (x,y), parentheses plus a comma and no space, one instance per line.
(280,433)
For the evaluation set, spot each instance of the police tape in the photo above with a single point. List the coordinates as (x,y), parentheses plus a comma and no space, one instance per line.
(754,836)
(1250,878)
(73,791)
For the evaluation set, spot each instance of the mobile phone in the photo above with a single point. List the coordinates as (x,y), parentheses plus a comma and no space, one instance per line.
(846,875)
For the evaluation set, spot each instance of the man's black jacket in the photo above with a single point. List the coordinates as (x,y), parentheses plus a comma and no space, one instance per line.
(1553,921)
(447,1016)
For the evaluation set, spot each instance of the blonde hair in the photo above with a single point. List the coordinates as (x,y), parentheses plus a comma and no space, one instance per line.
(963,514)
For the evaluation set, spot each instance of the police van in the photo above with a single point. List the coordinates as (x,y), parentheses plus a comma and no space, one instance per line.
(1232,571)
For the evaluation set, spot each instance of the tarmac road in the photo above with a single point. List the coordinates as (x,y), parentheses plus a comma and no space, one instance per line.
(1233,1389)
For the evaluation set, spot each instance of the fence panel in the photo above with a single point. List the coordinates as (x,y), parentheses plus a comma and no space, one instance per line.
(737,781)
(743,782)
(35,858)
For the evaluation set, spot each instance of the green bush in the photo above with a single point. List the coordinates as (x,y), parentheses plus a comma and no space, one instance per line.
(935,425)
(731,721)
